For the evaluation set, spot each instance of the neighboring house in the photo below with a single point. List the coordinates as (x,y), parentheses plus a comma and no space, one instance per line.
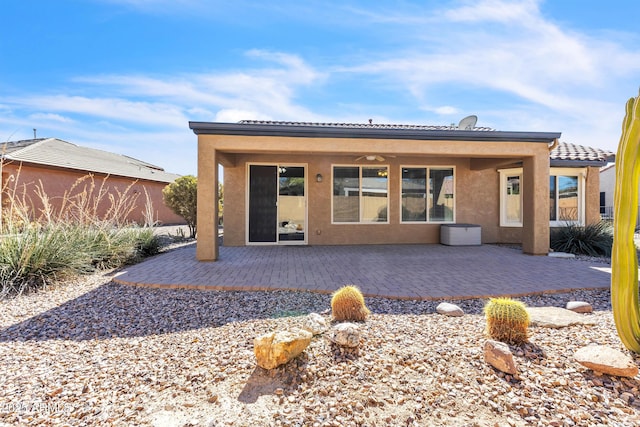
(607,187)
(56,166)
(332,184)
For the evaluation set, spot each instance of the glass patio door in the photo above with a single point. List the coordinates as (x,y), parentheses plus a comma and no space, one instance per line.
(277,204)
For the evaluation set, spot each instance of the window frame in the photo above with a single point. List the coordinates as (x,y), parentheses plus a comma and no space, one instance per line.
(580,173)
(360,197)
(504,174)
(427,169)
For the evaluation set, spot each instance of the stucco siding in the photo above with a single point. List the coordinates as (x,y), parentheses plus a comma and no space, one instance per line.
(476,201)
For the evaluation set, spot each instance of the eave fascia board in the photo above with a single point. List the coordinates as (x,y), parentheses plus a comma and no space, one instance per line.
(576,163)
(212,128)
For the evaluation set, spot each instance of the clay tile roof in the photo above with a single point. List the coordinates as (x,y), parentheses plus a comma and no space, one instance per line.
(566,153)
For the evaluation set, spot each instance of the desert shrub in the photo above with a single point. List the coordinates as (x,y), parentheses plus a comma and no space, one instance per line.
(507,320)
(147,243)
(54,243)
(181,196)
(347,303)
(595,239)
(38,256)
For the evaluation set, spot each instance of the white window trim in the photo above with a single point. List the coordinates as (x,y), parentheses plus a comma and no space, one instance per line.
(504,173)
(306,204)
(581,173)
(428,167)
(360,221)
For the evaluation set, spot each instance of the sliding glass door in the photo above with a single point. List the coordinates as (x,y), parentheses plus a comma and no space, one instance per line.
(277,204)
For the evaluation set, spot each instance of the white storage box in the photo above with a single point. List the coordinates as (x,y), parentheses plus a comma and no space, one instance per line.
(460,234)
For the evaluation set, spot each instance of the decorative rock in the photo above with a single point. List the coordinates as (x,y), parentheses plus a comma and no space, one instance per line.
(449,309)
(560,255)
(346,335)
(498,355)
(607,360)
(556,317)
(277,348)
(579,307)
(315,323)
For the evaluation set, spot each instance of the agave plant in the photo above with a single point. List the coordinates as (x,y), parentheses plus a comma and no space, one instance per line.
(624,260)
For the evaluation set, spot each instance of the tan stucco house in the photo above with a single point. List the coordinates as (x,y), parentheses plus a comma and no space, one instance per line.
(56,166)
(289,183)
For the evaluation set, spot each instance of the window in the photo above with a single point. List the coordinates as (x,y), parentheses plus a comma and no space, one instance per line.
(566,201)
(360,194)
(427,194)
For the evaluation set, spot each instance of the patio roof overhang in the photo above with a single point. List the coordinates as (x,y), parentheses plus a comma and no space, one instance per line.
(368,132)
(485,147)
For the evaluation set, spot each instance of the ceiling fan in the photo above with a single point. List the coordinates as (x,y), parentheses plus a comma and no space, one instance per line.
(372,157)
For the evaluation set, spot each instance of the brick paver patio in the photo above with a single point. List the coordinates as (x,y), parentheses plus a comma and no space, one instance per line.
(395,271)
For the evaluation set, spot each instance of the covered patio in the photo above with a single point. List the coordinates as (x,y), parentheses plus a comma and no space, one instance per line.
(369,184)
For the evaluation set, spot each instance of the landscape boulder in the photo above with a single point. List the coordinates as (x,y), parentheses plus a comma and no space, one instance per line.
(449,309)
(315,323)
(579,307)
(498,355)
(345,335)
(277,348)
(607,360)
(557,317)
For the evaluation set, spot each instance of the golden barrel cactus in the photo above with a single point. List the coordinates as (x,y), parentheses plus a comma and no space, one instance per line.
(347,303)
(507,320)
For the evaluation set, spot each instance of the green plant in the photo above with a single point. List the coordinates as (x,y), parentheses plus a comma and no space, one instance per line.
(147,243)
(507,320)
(594,239)
(347,303)
(72,237)
(624,258)
(181,197)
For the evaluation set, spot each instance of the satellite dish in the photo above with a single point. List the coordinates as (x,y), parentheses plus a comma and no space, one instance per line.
(468,123)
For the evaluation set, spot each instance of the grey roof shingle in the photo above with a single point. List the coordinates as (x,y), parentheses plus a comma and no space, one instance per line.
(62,154)
(565,154)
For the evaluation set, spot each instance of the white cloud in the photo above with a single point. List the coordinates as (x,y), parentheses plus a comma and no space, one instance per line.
(48,117)
(509,53)
(233,116)
(144,113)
(494,10)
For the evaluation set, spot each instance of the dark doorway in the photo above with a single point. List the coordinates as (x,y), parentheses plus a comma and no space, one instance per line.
(263,198)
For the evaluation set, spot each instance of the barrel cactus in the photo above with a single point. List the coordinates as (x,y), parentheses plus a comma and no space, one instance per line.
(507,320)
(624,259)
(347,303)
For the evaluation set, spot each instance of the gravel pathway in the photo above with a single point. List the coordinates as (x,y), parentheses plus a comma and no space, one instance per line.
(95,353)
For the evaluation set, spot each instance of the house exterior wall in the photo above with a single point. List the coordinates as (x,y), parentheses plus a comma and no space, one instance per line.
(475,198)
(592,196)
(26,179)
(608,184)
(476,191)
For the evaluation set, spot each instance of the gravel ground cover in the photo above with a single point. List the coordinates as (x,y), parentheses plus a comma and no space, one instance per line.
(91,352)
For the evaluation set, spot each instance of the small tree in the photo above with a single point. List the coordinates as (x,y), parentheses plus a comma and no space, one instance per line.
(181,197)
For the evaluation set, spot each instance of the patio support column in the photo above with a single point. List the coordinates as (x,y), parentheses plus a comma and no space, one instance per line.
(535,203)
(207,243)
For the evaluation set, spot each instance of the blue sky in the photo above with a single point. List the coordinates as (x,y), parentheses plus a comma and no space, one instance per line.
(128,75)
